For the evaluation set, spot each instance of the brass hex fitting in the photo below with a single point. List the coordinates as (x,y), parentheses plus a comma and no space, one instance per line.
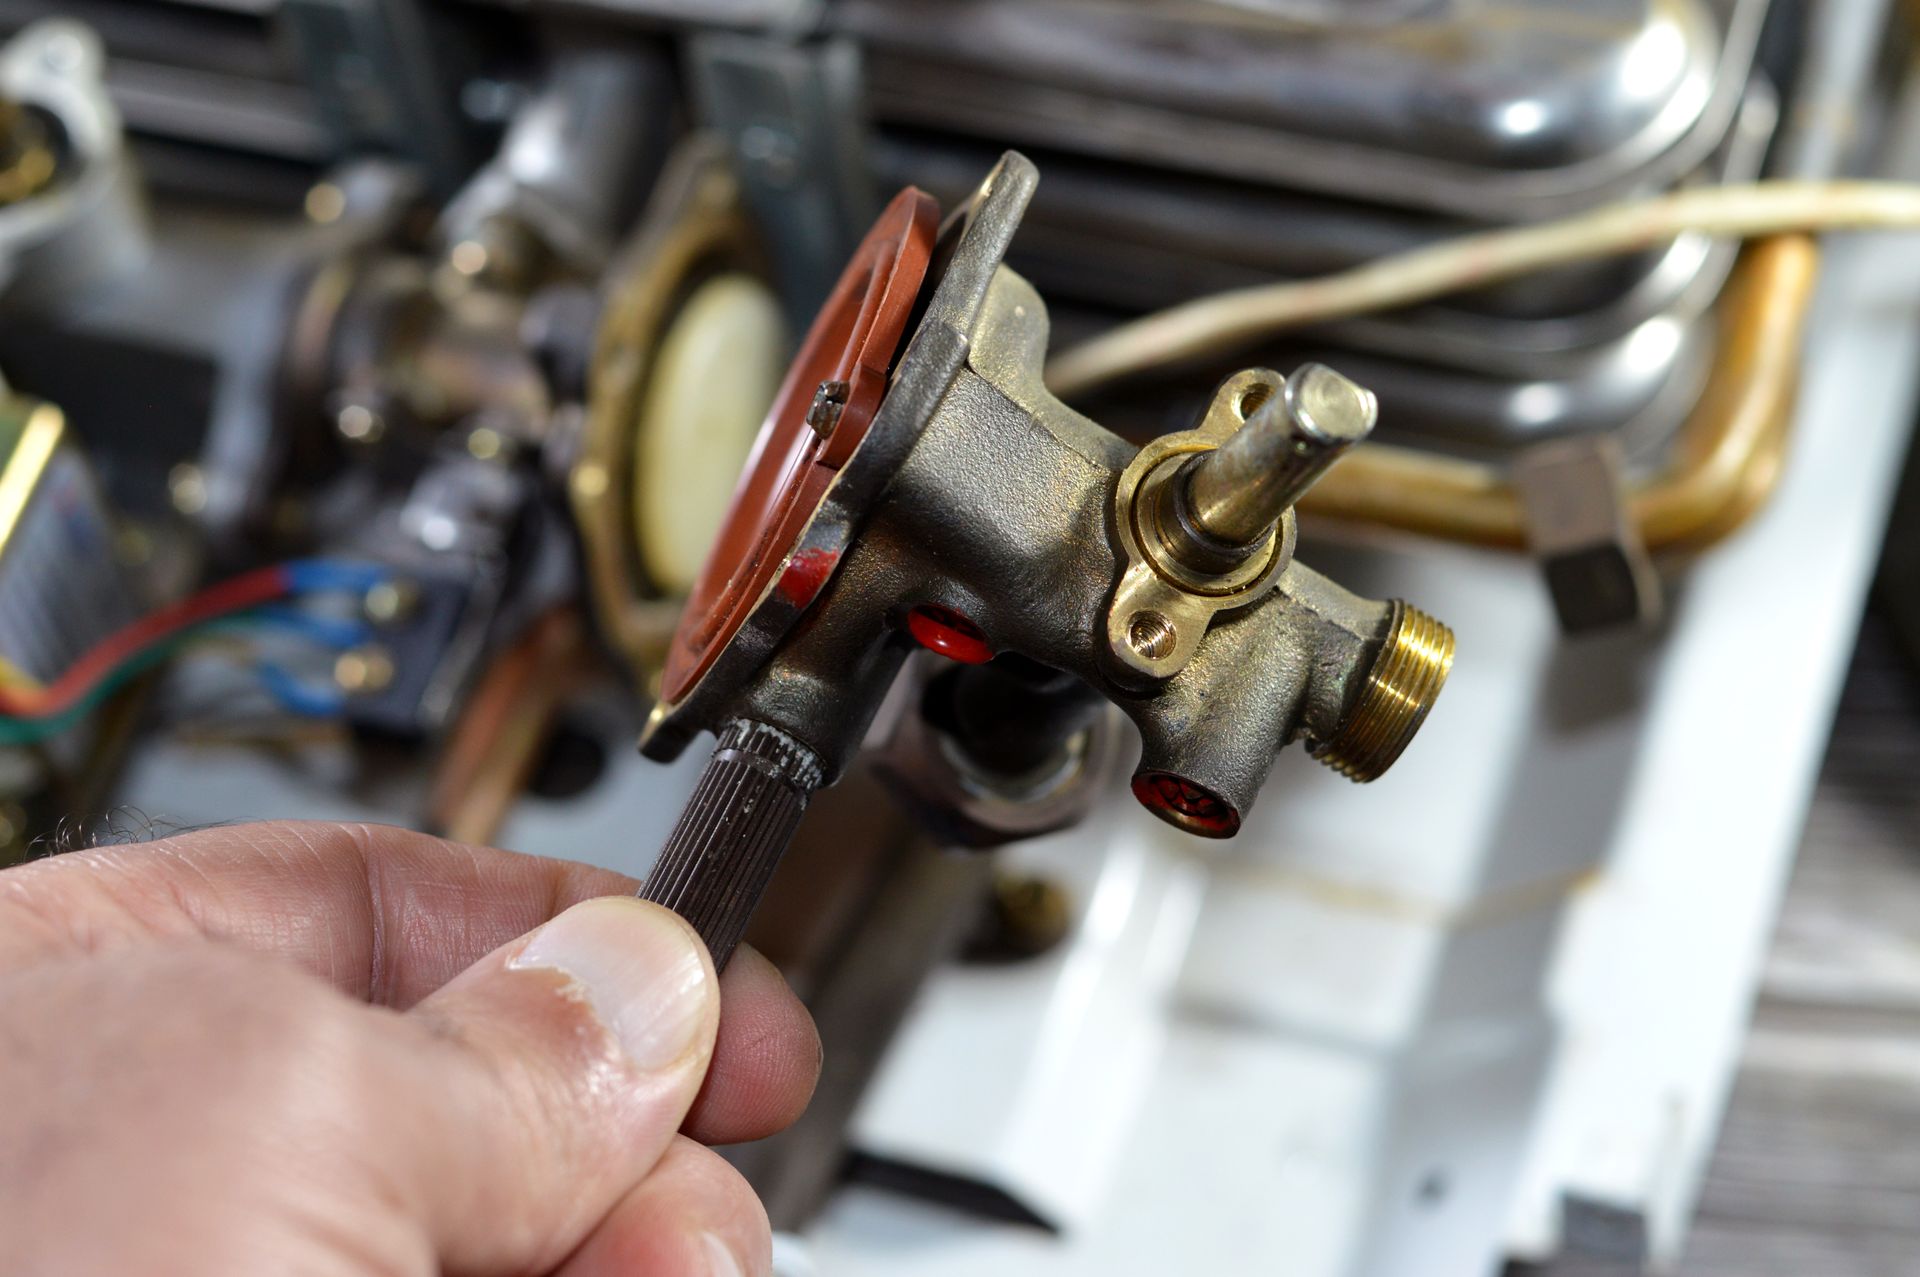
(1401,687)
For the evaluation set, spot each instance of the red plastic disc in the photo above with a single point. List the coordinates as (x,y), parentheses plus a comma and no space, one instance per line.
(852,341)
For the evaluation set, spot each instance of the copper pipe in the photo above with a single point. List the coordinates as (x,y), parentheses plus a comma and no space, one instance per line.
(1725,461)
(497,740)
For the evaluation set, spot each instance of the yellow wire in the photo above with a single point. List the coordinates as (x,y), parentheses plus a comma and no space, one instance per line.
(15,679)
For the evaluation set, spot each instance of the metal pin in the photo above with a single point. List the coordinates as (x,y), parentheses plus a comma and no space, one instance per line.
(1236,492)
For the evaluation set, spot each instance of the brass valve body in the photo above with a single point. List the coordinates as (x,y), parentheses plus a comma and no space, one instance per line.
(1162,577)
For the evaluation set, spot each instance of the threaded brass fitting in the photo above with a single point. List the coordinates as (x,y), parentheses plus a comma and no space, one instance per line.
(1405,679)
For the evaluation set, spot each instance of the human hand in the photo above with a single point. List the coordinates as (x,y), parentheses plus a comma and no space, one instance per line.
(335,1051)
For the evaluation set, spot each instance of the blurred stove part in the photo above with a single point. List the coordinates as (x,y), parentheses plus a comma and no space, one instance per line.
(215,98)
(426,378)
(63,582)
(1482,375)
(68,578)
(1721,468)
(199,338)
(989,754)
(1133,239)
(1596,565)
(792,115)
(577,159)
(80,222)
(385,75)
(190,307)
(687,352)
(1528,107)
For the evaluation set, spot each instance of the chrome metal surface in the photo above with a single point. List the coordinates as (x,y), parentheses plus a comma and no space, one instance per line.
(1525,106)
(87,225)
(1134,238)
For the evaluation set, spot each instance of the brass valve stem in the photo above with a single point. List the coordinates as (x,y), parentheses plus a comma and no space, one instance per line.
(1224,503)
(1237,491)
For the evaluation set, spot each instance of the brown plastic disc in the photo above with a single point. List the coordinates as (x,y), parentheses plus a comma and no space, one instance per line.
(852,342)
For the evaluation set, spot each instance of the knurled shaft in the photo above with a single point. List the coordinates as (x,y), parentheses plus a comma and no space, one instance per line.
(733,831)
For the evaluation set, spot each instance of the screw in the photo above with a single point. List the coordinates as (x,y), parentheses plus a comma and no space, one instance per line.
(363,671)
(1151,635)
(390,601)
(187,488)
(591,481)
(325,203)
(469,257)
(485,444)
(358,423)
(829,401)
(774,154)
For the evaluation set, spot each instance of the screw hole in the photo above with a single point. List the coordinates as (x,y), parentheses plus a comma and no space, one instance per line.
(1433,1189)
(1150,634)
(1251,398)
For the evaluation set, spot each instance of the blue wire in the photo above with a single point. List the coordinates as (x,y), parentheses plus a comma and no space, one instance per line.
(328,631)
(297,697)
(308,576)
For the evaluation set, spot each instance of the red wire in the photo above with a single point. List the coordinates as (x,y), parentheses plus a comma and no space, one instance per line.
(247,590)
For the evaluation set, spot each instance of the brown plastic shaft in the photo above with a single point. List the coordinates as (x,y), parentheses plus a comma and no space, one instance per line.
(733,831)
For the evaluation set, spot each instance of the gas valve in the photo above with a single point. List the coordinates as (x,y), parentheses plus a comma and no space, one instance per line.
(916,484)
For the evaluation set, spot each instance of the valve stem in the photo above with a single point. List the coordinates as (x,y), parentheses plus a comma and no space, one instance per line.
(1235,493)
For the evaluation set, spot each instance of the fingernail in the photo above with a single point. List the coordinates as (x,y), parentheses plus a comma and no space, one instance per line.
(720,1260)
(639,969)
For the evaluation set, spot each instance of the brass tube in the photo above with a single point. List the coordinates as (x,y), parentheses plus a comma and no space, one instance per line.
(1725,462)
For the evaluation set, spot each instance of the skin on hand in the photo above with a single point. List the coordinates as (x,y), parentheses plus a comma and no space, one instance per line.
(354,1051)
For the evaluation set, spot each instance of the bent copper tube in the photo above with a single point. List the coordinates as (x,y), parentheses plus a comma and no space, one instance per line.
(1725,462)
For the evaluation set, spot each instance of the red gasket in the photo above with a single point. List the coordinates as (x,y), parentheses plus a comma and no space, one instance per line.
(952,635)
(853,340)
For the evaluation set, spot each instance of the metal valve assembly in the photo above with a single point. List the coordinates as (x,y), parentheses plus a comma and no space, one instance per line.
(916,484)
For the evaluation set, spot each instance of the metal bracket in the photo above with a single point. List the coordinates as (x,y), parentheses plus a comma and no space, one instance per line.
(788,112)
(1160,611)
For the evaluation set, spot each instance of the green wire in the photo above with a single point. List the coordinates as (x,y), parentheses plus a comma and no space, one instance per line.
(29,731)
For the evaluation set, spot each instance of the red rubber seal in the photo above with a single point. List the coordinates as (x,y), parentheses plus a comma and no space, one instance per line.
(952,635)
(853,340)
(1186,804)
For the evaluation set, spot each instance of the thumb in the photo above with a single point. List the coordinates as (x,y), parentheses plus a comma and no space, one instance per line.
(560,1068)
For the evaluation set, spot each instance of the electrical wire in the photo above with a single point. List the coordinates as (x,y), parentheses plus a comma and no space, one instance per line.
(1227,321)
(298,697)
(13,678)
(78,688)
(26,731)
(78,680)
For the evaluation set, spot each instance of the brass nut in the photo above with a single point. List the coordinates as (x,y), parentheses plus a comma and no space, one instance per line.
(1406,677)
(187,489)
